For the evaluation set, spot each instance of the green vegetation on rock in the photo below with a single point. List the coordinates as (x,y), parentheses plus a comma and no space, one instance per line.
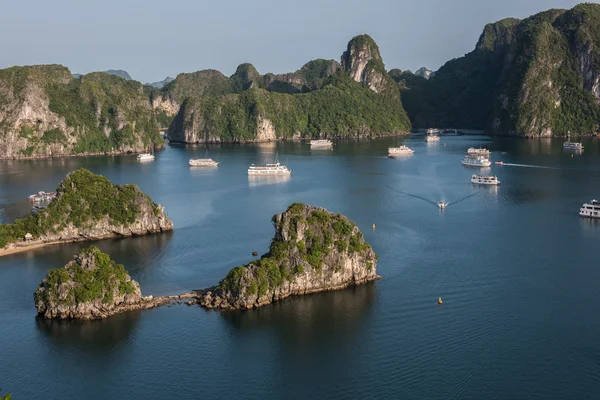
(341,108)
(84,115)
(83,199)
(92,276)
(326,237)
(535,77)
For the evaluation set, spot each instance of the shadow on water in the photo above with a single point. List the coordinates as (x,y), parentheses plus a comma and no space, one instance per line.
(311,316)
(92,337)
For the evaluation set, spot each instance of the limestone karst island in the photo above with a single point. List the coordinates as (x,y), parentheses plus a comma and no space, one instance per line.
(313,250)
(299,200)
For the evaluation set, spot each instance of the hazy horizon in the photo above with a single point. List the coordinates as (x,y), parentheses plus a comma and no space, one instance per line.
(151,41)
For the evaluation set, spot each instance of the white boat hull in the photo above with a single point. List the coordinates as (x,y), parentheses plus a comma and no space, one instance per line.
(589,214)
(478,163)
(485,182)
(269,173)
(204,164)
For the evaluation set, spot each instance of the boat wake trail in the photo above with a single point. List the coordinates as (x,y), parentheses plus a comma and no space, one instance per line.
(529,166)
(463,199)
(414,195)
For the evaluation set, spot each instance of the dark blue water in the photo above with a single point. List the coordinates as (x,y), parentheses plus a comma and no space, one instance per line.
(517,268)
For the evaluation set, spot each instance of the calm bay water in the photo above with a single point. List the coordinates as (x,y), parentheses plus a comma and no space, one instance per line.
(515,265)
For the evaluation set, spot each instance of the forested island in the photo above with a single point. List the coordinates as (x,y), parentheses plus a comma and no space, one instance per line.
(87,207)
(313,250)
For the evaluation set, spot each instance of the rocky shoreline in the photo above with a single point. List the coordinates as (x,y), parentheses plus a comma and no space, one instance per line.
(90,154)
(313,251)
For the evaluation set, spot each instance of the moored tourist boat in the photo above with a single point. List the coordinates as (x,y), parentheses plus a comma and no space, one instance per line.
(430,138)
(399,151)
(476,161)
(269,169)
(590,210)
(42,196)
(478,151)
(321,143)
(572,146)
(568,145)
(145,157)
(485,179)
(203,162)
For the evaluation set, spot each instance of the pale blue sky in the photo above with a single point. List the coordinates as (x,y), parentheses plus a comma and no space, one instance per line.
(152,39)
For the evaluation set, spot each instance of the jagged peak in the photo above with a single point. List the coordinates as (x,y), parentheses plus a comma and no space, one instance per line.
(497,34)
(246,72)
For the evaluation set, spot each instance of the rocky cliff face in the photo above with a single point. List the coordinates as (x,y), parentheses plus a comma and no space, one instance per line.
(91,286)
(321,99)
(423,73)
(313,250)
(45,112)
(533,77)
(363,63)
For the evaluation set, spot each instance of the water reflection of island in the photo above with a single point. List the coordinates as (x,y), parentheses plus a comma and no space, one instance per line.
(257,180)
(328,314)
(287,338)
(93,337)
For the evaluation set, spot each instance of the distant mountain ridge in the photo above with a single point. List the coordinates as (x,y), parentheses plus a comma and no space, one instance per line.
(116,72)
(160,84)
(324,98)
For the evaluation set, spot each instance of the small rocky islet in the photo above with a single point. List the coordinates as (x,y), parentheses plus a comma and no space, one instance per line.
(87,207)
(313,250)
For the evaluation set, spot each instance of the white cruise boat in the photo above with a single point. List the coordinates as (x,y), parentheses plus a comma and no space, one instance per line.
(476,161)
(485,179)
(203,162)
(269,169)
(572,145)
(321,143)
(145,157)
(399,151)
(432,131)
(472,151)
(590,210)
(568,145)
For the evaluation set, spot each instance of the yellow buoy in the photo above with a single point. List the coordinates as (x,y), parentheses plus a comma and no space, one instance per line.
(571,155)
(373,226)
(440,300)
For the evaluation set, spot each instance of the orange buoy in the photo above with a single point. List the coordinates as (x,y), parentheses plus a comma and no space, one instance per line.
(373,226)
(440,300)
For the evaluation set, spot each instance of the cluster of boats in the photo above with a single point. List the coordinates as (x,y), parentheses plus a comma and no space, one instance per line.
(269,169)
(40,197)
